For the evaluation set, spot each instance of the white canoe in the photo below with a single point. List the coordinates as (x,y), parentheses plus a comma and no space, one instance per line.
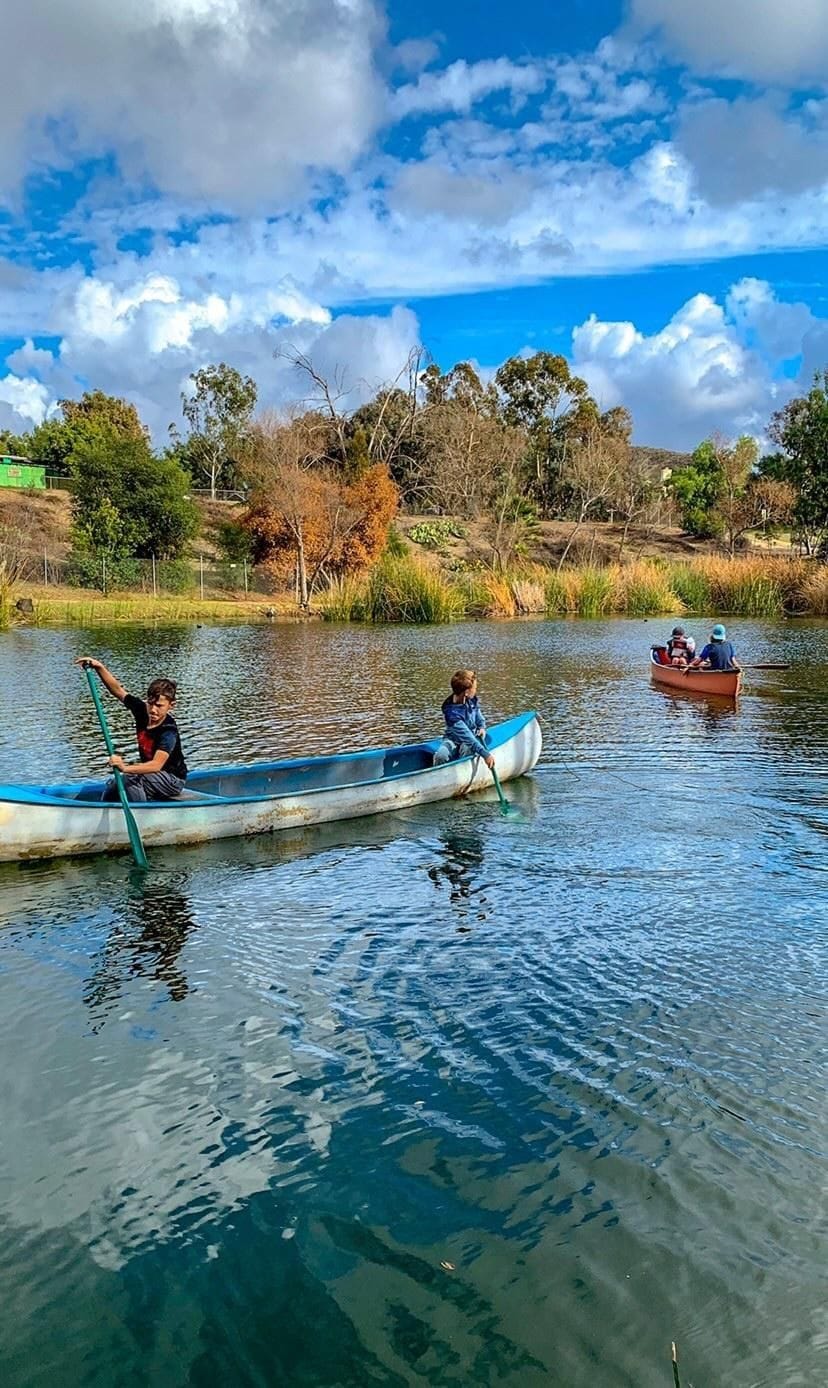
(57,821)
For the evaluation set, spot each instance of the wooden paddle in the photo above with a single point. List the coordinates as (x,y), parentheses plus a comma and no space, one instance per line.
(132,828)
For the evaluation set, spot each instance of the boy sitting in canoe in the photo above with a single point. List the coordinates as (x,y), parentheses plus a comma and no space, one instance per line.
(162,770)
(465,725)
(717,654)
(681,648)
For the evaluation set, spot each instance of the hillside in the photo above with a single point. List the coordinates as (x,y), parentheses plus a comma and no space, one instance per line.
(42,521)
(599,542)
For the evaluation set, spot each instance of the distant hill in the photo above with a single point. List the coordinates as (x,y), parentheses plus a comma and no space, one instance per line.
(657,459)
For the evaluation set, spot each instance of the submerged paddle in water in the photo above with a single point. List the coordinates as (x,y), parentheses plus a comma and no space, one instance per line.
(506,808)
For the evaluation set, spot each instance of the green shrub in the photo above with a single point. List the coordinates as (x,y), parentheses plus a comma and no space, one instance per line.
(235,542)
(175,576)
(436,534)
(107,573)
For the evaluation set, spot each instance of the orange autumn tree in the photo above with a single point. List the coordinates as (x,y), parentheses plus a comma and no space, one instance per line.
(307,515)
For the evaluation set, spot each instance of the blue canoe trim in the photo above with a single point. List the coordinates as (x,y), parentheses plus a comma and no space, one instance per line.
(73,792)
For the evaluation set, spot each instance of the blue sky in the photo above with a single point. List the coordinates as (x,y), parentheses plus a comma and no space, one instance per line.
(641,185)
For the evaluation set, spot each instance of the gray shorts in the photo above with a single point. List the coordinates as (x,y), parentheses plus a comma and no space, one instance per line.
(446,752)
(156,785)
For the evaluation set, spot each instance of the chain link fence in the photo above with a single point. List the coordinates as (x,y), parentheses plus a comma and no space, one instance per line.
(200,576)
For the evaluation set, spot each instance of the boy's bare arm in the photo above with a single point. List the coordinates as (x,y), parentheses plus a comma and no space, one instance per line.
(110,681)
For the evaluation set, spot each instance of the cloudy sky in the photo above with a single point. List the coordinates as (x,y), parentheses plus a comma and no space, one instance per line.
(639,184)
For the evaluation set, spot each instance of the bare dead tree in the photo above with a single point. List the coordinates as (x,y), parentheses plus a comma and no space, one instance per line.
(388,425)
(588,474)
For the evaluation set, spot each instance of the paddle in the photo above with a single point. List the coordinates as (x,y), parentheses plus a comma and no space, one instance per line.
(506,808)
(132,828)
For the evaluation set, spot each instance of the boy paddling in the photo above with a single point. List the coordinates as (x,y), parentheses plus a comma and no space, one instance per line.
(465,725)
(162,770)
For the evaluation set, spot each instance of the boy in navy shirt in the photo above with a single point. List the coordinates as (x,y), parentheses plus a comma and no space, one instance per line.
(465,725)
(718,654)
(162,770)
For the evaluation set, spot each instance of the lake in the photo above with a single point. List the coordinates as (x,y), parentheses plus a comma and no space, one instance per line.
(441,1097)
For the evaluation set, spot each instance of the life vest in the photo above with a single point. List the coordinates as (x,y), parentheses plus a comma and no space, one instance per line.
(679,645)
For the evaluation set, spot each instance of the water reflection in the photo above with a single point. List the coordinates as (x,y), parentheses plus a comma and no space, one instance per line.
(154,923)
(459,871)
(710,710)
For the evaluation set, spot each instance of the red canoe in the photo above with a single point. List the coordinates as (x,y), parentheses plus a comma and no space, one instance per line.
(726,683)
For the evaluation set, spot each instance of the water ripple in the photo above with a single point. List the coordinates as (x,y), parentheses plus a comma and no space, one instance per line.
(446,1098)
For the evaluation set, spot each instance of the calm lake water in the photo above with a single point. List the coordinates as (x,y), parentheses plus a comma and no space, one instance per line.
(438,1098)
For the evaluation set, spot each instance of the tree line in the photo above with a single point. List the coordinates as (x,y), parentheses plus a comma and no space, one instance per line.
(324,482)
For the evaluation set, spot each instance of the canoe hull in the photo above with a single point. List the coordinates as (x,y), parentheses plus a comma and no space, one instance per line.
(35,824)
(726,683)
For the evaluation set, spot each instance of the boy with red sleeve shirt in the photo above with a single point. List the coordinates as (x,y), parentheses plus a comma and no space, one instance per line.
(162,770)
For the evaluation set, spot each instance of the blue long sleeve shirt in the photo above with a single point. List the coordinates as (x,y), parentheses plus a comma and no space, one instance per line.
(463,724)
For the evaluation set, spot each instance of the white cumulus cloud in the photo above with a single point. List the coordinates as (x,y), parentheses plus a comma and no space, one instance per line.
(24,402)
(232,102)
(461,85)
(143,339)
(711,367)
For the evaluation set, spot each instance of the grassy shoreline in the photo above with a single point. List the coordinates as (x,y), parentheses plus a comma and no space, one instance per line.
(404,589)
(408,590)
(79,607)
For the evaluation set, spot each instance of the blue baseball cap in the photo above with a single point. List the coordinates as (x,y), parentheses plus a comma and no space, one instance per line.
(718,633)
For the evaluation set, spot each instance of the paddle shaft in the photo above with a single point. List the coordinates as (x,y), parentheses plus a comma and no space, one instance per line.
(504,803)
(132,828)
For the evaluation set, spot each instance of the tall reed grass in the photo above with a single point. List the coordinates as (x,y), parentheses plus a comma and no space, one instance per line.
(642,589)
(402,588)
(691,587)
(746,587)
(406,590)
(399,589)
(529,595)
(634,589)
(484,593)
(346,600)
(813,592)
